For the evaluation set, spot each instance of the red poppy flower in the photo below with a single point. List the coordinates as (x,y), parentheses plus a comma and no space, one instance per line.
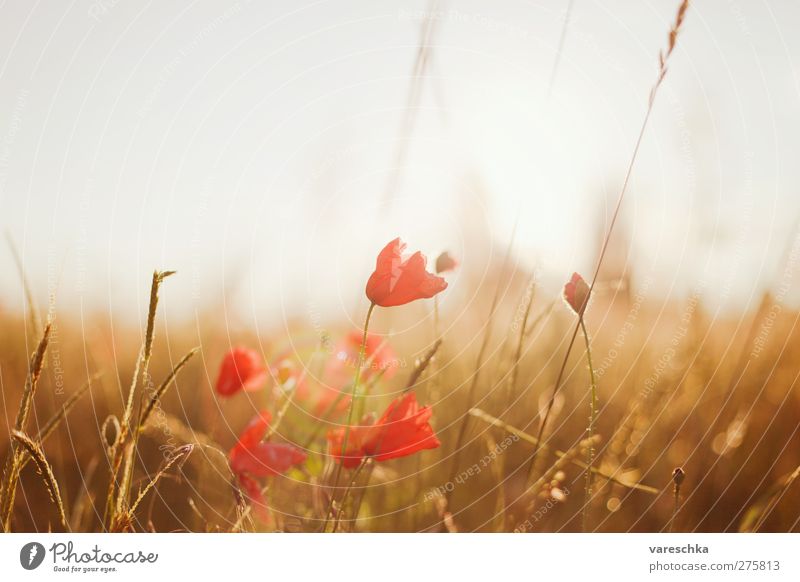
(250,456)
(396,281)
(402,430)
(576,294)
(241,369)
(445,263)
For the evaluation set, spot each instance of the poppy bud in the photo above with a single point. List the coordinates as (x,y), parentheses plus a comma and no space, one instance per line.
(576,294)
(678,476)
(445,263)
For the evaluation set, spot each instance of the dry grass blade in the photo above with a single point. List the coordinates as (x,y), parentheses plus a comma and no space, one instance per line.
(243,507)
(488,418)
(421,365)
(756,515)
(173,427)
(159,392)
(530,291)
(83,506)
(560,49)
(123,448)
(35,452)
(180,454)
(663,57)
(487,336)
(34,372)
(421,63)
(52,424)
(8,485)
(569,456)
(36,321)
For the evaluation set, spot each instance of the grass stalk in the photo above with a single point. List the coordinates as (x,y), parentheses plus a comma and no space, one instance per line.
(337,520)
(487,336)
(45,470)
(11,470)
(523,330)
(122,451)
(180,454)
(663,58)
(590,451)
(677,479)
(162,388)
(530,439)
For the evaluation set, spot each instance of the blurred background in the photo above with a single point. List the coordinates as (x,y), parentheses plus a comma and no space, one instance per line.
(269,150)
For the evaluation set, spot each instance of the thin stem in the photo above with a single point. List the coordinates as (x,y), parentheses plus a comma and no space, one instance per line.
(353,398)
(370,466)
(603,250)
(529,292)
(560,49)
(436,333)
(487,336)
(356,474)
(326,416)
(675,506)
(525,437)
(663,58)
(412,107)
(590,430)
(433,390)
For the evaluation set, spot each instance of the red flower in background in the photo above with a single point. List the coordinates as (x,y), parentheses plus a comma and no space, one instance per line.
(378,356)
(396,281)
(402,430)
(340,369)
(241,369)
(576,294)
(253,458)
(250,458)
(445,263)
(252,489)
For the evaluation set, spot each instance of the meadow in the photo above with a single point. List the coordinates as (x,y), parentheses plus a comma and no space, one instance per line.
(596,406)
(676,387)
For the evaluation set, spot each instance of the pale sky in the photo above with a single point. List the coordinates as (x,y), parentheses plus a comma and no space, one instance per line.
(248,144)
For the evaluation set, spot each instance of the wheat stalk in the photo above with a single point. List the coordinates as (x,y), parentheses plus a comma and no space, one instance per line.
(421,365)
(44,469)
(8,485)
(122,451)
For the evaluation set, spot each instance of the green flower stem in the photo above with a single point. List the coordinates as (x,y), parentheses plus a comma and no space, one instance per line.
(353,397)
(590,430)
